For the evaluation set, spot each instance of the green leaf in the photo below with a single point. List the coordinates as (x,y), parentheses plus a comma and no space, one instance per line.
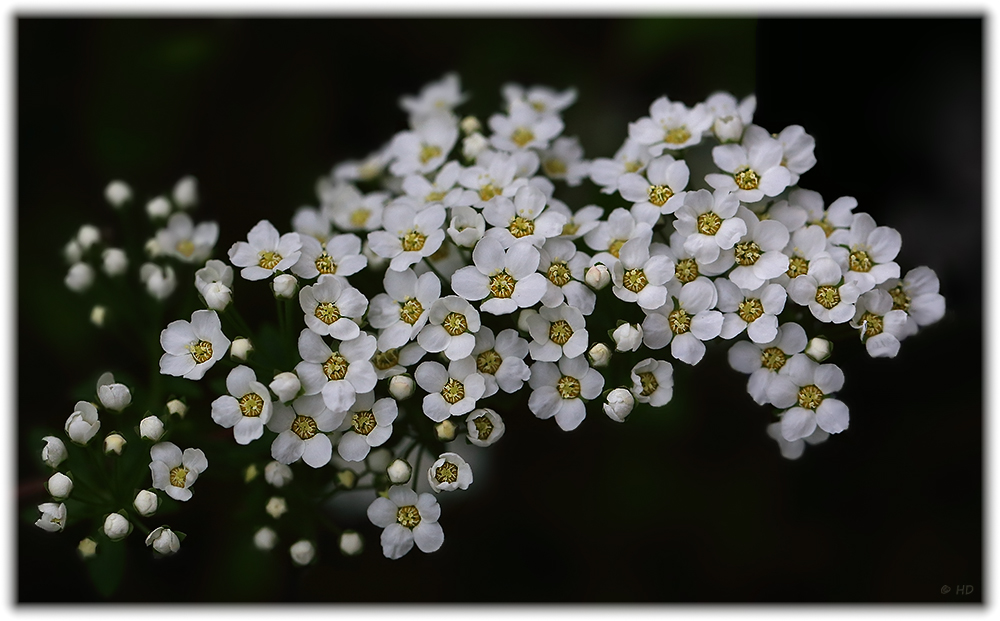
(107,567)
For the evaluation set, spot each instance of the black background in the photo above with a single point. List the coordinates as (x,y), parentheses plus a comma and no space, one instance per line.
(689,504)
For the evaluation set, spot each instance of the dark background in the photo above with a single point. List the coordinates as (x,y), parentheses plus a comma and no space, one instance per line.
(689,504)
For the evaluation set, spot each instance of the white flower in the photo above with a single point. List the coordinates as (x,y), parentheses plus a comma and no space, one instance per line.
(564,160)
(425,148)
(631,157)
(500,360)
(685,322)
(754,168)
(185,241)
(670,125)
(284,286)
(524,128)
(508,278)
(759,256)
(473,145)
(451,327)
(277,474)
(628,337)
(59,485)
(467,226)
(824,290)
(276,507)
(794,450)
(174,472)
(164,540)
(302,552)
(214,282)
(302,429)
(351,543)
(653,382)
(543,100)
(247,407)
(523,218)
(369,425)
(639,277)
(661,190)
(311,222)
(339,375)
(192,347)
(146,502)
(881,326)
(805,246)
(608,237)
(113,396)
(54,451)
(265,252)
(117,193)
(115,261)
(486,183)
(451,392)
(82,424)
(599,355)
(88,235)
(564,268)
(351,211)
(808,385)
(763,361)
(868,258)
(401,312)
(579,222)
(401,387)
(53,517)
(708,223)
(114,443)
(409,236)
(730,117)
(559,390)
(797,147)
(160,280)
(80,277)
(449,473)
(158,207)
(332,307)
(399,471)
(435,97)
(185,193)
(407,519)
(619,404)
(754,311)
(265,539)
(116,526)
(286,385)
(393,362)
(441,190)
(557,332)
(340,255)
(917,294)
(484,427)
(834,220)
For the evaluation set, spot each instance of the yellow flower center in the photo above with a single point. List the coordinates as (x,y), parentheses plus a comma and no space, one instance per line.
(488,191)
(677,135)
(410,310)
(810,397)
(633,166)
(560,331)
(327,312)
(686,270)
(747,253)
(502,285)
(659,194)
(900,301)
(679,321)
(335,367)
(435,197)
(747,179)
(570,228)
(709,223)
(251,404)
(750,309)
(797,266)
(872,323)
(178,476)
(386,359)
(413,241)
(568,387)
(827,296)
(185,247)
(519,227)
(522,136)
(860,262)
(269,260)
(363,423)
(616,247)
(455,324)
(408,516)
(772,358)
(446,473)
(635,280)
(488,362)
(648,383)
(359,217)
(453,391)
(484,428)
(304,427)
(554,167)
(429,152)
(325,264)
(201,351)
(559,274)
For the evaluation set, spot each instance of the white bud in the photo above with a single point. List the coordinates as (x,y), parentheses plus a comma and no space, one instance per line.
(80,277)
(146,503)
(87,547)
(379,459)
(285,286)
(484,427)
(470,125)
(347,479)
(473,145)
(114,443)
(53,518)
(277,474)
(628,337)
(54,451)
(522,319)
(445,430)
(265,538)
(97,315)
(72,252)
(598,276)
(159,207)
(59,486)
(728,128)
(116,527)
(241,348)
(302,552)
(115,261)
(164,540)
(178,407)
(118,193)
(276,507)
(115,397)
(186,192)
(599,355)
(619,404)
(399,471)
(401,387)
(286,385)
(351,543)
(375,262)
(160,281)
(82,424)
(218,296)
(819,349)
(467,226)
(153,248)
(151,428)
(88,235)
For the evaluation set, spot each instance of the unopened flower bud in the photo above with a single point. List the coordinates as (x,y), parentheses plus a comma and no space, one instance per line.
(59,486)
(87,548)
(241,348)
(285,286)
(351,543)
(114,443)
(347,479)
(445,430)
(286,385)
(159,207)
(473,145)
(399,471)
(160,280)
(276,507)
(115,261)
(302,552)
(178,407)
(628,337)
(164,540)
(153,248)
(115,397)
(117,193)
(88,235)
(151,428)
(619,404)
(265,538)
(146,503)
(819,348)
(116,527)
(54,451)
(277,474)
(467,226)
(599,355)
(218,296)
(97,315)
(470,125)
(598,276)
(80,277)
(401,387)
(728,128)
(186,192)
(72,252)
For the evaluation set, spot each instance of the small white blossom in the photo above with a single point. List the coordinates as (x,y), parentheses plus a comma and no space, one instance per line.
(340,255)
(340,375)
(807,386)
(164,540)
(758,254)
(80,277)
(117,193)
(500,360)
(175,472)
(53,518)
(409,236)
(265,252)
(449,473)
(671,125)
(247,407)
(685,322)
(452,391)
(825,291)
(401,312)
(708,223)
(523,128)
(276,507)
(185,241)
(351,543)
(467,226)
(265,539)
(277,474)
(185,192)
(214,282)
(866,253)
(451,327)
(158,207)
(484,427)
(332,307)
(557,332)
(628,337)
(302,552)
(564,160)
(506,278)
(794,449)
(564,268)
(302,429)
(559,390)
(160,280)
(407,519)
(640,277)
(82,424)
(369,425)
(113,396)
(882,327)
(598,276)
(115,261)
(88,235)
(754,168)
(764,361)
(619,404)
(653,382)
(917,295)
(660,190)
(425,148)
(755,311)
(631,157)
(434,98)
